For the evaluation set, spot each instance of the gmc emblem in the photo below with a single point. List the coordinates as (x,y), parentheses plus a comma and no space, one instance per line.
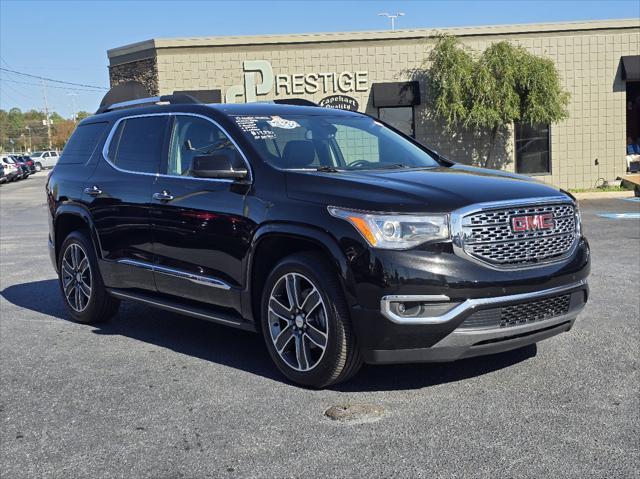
(520,224)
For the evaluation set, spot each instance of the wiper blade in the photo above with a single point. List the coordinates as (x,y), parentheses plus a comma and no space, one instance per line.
(327,169)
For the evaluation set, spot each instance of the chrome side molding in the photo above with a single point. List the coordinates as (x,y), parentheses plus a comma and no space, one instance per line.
(194,278)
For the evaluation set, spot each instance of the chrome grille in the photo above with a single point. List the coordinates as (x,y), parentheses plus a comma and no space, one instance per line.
(518,314)
(488,236)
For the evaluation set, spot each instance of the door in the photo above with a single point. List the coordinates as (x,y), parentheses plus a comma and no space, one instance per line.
(200,233)
(119,198)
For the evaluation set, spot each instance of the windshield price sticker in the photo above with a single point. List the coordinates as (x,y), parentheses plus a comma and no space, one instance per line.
(250,124)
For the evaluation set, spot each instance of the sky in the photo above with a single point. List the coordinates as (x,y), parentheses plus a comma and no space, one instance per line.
(68,40)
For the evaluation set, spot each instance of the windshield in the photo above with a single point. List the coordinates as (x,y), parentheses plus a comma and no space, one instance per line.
(37,154)
(330,142)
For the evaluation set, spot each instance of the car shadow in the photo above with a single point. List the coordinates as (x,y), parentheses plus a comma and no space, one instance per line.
(246,351)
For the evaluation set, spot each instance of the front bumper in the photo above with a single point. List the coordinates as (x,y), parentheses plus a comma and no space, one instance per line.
(472,328)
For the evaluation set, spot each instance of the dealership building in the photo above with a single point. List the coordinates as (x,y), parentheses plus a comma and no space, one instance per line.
(382,73)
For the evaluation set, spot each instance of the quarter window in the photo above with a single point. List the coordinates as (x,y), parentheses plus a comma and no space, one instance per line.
(82,143)
(137,144)
(533,149)
(193,136)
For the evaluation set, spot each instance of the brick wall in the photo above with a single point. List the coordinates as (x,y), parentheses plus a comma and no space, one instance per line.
(144,71)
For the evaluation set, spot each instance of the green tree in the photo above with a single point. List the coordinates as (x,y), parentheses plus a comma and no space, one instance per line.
(486,92)
(81,115)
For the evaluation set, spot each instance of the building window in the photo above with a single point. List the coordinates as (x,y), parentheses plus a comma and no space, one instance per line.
(399,117)
(533,149)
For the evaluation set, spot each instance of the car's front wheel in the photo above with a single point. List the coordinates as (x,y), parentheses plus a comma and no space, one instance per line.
(85,296)
(305,321)
(38,166)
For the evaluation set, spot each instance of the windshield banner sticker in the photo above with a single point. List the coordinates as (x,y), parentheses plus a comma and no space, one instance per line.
(279,122)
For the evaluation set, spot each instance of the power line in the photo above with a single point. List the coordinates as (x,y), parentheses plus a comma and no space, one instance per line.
(52,80)
(50,86)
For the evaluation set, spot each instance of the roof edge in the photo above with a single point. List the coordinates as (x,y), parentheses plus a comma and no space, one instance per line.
(515,29)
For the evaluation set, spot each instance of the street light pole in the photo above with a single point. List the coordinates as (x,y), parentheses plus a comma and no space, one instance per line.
(392,17)
(46,112)
(73,96)
(28,128)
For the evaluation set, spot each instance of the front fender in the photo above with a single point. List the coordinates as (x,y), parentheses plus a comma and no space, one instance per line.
(304,232)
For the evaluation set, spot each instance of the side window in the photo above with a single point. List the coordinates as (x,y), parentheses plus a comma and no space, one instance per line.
(46,155)
(137,144)
(193,136)
(82,143)
(356,145)
(54,153)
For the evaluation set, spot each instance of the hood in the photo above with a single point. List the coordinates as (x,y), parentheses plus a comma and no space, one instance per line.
(441,189)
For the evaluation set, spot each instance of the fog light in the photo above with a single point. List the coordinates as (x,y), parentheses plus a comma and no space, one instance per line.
(417,309)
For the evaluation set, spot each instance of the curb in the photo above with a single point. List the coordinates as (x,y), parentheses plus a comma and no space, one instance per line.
(592,195)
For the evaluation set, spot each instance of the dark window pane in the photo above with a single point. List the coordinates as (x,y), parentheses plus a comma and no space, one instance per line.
(532,149)
(193,136)
(82,143)
(138,144)
(400,118)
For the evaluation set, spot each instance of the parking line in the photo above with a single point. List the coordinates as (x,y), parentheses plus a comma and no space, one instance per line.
(620,216)
(635,199)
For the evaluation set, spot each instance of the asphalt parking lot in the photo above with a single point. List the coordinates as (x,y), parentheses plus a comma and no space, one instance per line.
(154,394)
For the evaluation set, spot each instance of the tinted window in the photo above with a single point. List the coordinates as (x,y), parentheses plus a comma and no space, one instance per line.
(532,149)
(400,117)
(137,144)
(82,143)
(193,136)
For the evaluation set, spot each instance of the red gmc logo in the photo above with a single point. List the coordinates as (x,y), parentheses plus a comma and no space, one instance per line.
(520,224)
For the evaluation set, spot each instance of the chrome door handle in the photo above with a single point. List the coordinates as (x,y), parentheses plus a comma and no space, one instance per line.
(163,196)
(93,191)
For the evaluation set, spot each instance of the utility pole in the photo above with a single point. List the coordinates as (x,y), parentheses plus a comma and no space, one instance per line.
(392,17)
(46,112)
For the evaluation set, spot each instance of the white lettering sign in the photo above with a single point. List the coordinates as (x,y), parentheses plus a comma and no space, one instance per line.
(258,79)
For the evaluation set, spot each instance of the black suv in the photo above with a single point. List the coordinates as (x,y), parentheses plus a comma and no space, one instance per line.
(335,236)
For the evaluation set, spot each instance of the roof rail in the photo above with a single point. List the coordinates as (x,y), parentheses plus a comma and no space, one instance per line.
(154,100)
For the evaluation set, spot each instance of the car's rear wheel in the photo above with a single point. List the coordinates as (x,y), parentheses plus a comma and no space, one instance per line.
(306,323)
(85,296)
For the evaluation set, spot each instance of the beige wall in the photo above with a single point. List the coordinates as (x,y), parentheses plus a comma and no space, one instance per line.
(587,59)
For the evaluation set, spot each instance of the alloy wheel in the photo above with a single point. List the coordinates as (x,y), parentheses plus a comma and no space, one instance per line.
(76,277)
(298,322)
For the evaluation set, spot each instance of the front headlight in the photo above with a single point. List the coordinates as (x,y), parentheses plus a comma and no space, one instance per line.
(578,220)
(395,231)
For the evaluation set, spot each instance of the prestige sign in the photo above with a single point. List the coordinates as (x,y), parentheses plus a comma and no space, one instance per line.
(259,79)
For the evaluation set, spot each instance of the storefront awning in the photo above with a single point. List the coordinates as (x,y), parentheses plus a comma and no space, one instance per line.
(631,68)
(396,94)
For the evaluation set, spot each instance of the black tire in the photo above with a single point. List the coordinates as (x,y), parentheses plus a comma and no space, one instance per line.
(341,357)
(38,166)
(100,306)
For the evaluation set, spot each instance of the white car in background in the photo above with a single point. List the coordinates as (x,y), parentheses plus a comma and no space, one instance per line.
(44,159)
(12,171)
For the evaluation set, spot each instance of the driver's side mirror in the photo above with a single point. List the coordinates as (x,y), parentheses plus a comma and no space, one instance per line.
(218,165)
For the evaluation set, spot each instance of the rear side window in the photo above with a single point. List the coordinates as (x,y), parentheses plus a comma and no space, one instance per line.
(137,144)
(82,143)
